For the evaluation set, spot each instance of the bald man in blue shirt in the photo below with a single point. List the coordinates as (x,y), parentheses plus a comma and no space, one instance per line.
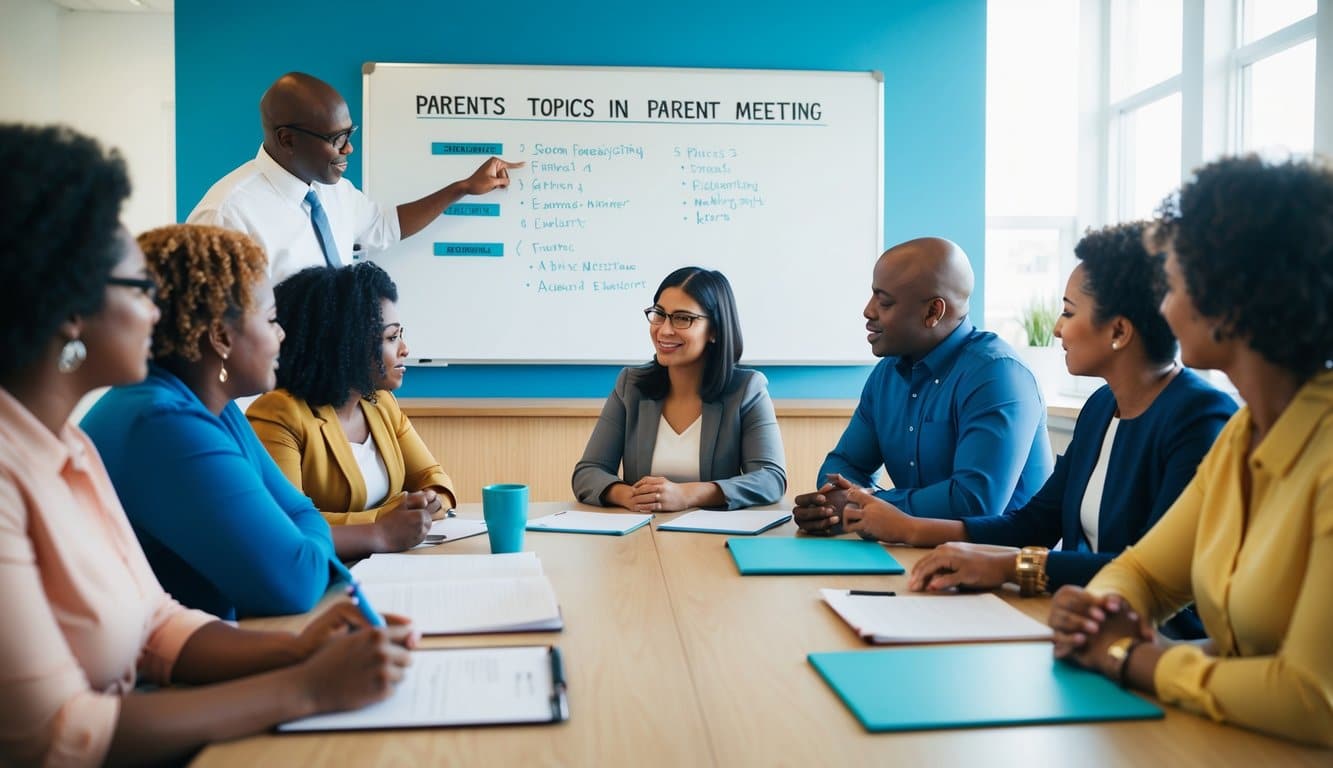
(954,417)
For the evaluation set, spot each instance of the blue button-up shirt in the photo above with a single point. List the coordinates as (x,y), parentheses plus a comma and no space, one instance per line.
(961,431)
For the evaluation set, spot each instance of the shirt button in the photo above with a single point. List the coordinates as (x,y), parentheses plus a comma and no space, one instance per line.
(911,429)
(937,381)
(911,463)
(913,394)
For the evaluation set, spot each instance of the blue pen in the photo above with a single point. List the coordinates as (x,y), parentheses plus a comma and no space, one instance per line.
(367,610)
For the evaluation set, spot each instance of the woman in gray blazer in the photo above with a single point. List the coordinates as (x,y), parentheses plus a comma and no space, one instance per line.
(690,428)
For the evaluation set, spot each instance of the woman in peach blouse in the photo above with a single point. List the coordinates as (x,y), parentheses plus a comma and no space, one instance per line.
(85,618)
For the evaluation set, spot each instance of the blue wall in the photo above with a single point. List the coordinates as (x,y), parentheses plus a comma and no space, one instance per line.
(932,54)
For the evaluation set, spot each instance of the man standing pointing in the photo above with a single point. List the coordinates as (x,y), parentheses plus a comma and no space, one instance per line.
(292,198)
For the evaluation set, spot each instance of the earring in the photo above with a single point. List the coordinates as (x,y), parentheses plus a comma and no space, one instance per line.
(1115,345)
(72,356)
(222,372)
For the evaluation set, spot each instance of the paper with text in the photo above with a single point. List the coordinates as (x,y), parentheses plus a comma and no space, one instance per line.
(459,686)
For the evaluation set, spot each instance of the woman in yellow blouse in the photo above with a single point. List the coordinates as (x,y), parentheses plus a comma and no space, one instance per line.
(333,425)
(1250,273)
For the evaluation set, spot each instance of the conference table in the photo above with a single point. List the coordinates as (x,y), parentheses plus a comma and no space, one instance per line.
(673,658)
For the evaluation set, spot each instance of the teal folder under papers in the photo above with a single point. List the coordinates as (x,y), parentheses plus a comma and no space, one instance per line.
(968,686)
(800,555)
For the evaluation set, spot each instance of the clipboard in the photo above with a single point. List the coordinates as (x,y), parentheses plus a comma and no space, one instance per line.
(462,687)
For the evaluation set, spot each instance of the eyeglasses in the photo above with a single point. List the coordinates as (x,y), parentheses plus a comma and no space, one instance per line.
(336,140)
(149,287)
(679,320)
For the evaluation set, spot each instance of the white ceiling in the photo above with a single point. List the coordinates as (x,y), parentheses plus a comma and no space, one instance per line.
(118,6)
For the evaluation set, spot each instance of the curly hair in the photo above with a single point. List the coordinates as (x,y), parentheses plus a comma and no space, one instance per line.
(204,274)
(713,292)
(334,325)
(1254,241)
(1125,280)
(60,211)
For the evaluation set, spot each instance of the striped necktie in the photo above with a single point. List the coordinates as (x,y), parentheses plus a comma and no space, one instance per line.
(322,231)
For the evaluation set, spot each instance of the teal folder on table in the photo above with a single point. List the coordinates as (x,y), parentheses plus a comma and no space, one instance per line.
(802,555)
(967,686)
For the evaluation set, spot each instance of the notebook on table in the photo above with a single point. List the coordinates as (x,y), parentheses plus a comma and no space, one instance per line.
(734,521)
(462,594)
(578,521)
(462,686)
(773,555)
(966,686)
(452,529)
(888,618)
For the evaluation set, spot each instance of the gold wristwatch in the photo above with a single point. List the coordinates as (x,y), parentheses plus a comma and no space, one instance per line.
(1031,569)
(1119,652)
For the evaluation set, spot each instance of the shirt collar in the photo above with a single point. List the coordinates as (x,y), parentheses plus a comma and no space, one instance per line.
(288,186)
(1285,442)
(41,448)
(938,360)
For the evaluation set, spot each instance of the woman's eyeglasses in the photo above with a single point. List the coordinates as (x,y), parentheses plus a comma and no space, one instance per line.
(149,287)
(679,320)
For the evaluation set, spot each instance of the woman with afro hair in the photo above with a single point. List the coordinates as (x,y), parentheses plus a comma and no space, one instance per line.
(86,621)
(1249,270)
(333,425)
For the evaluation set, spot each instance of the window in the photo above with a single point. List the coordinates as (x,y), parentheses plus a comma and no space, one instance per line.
(1031,157)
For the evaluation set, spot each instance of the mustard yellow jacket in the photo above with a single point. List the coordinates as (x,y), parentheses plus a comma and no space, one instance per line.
(311,449)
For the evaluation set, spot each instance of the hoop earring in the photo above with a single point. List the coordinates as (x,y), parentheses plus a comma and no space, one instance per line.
(72,356)
(222,372)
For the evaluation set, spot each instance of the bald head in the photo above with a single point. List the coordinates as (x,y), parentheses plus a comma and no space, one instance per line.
(929,267)
(920,290)
(303,118)
(299,99)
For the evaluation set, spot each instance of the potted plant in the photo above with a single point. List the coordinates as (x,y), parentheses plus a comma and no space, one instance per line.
(1046,361)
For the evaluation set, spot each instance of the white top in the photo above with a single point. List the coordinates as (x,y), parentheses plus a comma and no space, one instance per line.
(373,471)
(1090,510)
(676,457)
(267,203)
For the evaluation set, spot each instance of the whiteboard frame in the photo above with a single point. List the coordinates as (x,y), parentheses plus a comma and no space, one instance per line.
(370,67)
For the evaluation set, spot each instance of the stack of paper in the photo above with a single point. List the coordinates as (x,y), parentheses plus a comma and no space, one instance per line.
(578,521)
(888,618)
(462,594)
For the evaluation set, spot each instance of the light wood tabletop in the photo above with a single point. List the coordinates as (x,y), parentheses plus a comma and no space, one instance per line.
(673,659)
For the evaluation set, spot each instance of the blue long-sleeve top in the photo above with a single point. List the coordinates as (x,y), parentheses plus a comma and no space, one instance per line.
(1153,458)
(222,527)
(961,431)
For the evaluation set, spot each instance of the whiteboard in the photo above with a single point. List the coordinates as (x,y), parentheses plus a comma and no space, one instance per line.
(773,177)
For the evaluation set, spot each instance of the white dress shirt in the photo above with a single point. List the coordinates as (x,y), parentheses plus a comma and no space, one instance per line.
(266,202)
(1090,510)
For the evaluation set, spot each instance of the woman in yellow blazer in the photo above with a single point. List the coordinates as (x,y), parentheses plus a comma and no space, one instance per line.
(1250,540)
(333,425)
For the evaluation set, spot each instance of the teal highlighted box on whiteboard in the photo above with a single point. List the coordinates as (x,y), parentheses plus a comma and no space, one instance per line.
(472,209)
(464,148)
(488,250)
(773,177)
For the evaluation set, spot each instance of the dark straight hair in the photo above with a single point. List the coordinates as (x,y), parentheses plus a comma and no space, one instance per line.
(713,293)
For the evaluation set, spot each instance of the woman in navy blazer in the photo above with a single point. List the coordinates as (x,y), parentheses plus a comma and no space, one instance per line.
(690,401)
(1104,493)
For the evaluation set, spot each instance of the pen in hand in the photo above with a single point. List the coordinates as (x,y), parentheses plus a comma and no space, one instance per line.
(372,617)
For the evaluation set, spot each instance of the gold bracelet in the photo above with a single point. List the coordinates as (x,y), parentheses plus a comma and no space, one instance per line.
(1031,569)
(1119,652)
